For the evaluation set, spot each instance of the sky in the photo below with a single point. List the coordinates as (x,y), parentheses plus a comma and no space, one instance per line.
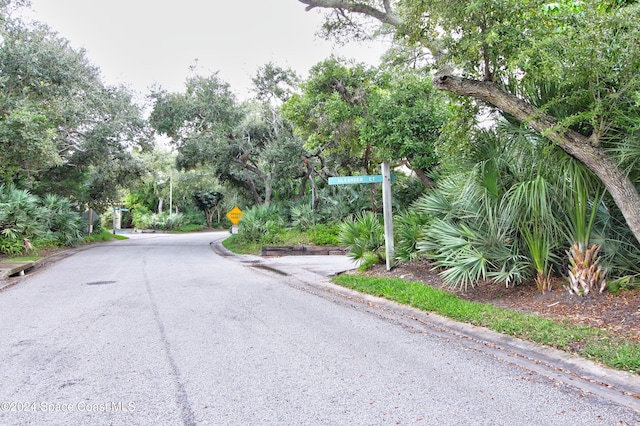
(142,43)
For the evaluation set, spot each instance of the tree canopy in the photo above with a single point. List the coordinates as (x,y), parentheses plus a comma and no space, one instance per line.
(570,69)
(357,116)
(61,129)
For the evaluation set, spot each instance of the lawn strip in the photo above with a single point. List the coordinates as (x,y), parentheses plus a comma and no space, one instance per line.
(587,342)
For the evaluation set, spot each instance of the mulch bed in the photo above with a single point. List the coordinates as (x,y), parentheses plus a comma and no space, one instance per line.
(619,314)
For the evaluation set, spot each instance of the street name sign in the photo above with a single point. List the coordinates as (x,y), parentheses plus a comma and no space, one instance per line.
(352,180)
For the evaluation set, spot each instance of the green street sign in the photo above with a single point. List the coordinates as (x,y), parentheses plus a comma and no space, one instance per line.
(352,180)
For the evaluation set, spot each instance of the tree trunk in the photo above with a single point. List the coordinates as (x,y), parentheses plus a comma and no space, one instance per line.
(616,181)
(252,187)
(426,180)
(208,217)
(623,191)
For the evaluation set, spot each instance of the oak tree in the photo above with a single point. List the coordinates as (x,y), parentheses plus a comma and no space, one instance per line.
(585,51)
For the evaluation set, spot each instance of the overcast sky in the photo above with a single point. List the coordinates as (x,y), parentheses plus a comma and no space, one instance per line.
(146,42)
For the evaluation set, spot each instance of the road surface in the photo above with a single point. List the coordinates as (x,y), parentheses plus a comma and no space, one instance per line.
(163,330)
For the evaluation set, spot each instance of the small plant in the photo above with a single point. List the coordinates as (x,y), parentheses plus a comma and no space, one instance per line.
(585,271)
(364,235)
(409,228)
(324,234)
(302,217)
(261,224)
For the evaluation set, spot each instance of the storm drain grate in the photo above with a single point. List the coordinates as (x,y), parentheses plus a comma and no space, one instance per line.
(99,282)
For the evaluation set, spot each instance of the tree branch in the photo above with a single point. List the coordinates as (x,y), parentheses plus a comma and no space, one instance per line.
(621,188)
(387,16)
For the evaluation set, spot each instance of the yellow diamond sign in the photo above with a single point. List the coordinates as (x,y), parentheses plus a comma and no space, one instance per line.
(234,215)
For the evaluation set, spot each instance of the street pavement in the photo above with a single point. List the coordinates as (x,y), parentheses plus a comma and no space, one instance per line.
(172,329)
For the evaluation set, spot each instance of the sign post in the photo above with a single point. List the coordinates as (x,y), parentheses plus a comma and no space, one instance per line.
(387,214)
(234,215)
(386,178)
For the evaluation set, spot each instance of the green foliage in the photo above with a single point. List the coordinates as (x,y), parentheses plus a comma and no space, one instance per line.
(355,117)
(159,221)
(262,224)
(338,202)
(208,202)
(191,227)
(364,235)
(248,147)
(28,220)
(19,214)
(530,203)
(62,220)
(469,234)
(628,282)
(104,235)
(405,120)
(408,229)
(302,216)
(62,130)
(406,190)
(324,234)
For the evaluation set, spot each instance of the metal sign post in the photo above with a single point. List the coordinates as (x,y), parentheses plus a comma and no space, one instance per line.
(387,214)
(386,178)
(234,216)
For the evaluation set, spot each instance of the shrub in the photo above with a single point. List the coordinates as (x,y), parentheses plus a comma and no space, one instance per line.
(364,235)
(409,228)
(158,221)
(302,217)
(28,222)
(261,224)
(325,234)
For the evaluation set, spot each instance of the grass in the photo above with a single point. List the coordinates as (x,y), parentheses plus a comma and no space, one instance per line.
(104,235)
(22,259)
(292,237)
(234,244)
(189,228)
(587,342)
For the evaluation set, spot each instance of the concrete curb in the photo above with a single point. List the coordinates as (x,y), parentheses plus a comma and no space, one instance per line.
(563,368)
(10,269)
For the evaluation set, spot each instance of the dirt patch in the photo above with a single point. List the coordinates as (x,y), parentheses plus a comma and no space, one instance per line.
(619,314)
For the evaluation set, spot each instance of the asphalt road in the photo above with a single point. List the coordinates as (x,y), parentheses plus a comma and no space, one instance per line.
(163,330)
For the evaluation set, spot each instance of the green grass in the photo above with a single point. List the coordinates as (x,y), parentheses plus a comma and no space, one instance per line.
(234,244)
(189,228)
(587,342)
(104,235)
(22,259)
(292,237)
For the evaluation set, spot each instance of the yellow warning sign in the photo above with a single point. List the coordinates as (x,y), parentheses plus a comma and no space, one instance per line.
(234,215)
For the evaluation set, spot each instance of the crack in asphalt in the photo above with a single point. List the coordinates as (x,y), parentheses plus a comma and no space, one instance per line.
(182,398)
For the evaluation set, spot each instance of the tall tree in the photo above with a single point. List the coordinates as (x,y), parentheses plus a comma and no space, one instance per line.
(361,116)
(61,129)
(329,112)
(248,146)
(488,50)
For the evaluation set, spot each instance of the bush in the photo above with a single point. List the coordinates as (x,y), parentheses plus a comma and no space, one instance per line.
(63,221)
(325,234)
(159,221)
(262,224)
(302,217)
(409,228)
(364,235)
(28,222)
